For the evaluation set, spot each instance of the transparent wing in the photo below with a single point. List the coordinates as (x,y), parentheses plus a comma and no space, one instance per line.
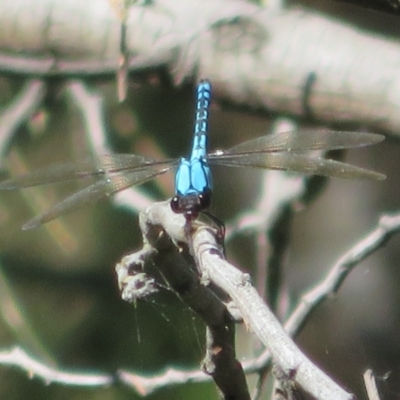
(297,163)
(104,187)
(98,166)
(302,141)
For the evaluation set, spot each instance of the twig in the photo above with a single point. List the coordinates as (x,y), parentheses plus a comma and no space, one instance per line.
(388,225)
(176,267)
(262,322)
(253,310)
(282,195)
(91,105)
(121,9)
(16,319)
(21,108)
(145,385)
(19,358)
(370,385)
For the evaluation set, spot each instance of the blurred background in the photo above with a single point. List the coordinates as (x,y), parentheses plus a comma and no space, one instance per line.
(59,295)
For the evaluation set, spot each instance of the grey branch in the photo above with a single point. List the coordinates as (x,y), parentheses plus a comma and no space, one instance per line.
(291,61)
(145,385)
(177,269)
(19,111)
(281,195)
(370,385)
(17,357)
(217,271)
(263,323)
(388,226)
(91,105)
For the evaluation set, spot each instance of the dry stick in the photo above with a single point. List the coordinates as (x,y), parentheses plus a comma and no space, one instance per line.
(146,385)
(370,385)
(387,227)
(91,105)
(16,319)
(262,322)
(271,219)
(15,114)
(121,9)
(19,111)
(18,357)
(123,66)
(177,268)
(255,313)
(282,195)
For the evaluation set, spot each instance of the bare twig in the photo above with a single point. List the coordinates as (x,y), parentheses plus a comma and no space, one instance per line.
(282,195)
(91,105)
(121,9)
(262,322)
(256,315)
(270,220)
(388,226)
(145,385)
(370,385)
(181,275)
(13,314)
(19,358)
(21,109)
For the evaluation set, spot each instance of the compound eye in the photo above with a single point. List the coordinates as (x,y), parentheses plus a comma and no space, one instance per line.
(175,207)
(205,200)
